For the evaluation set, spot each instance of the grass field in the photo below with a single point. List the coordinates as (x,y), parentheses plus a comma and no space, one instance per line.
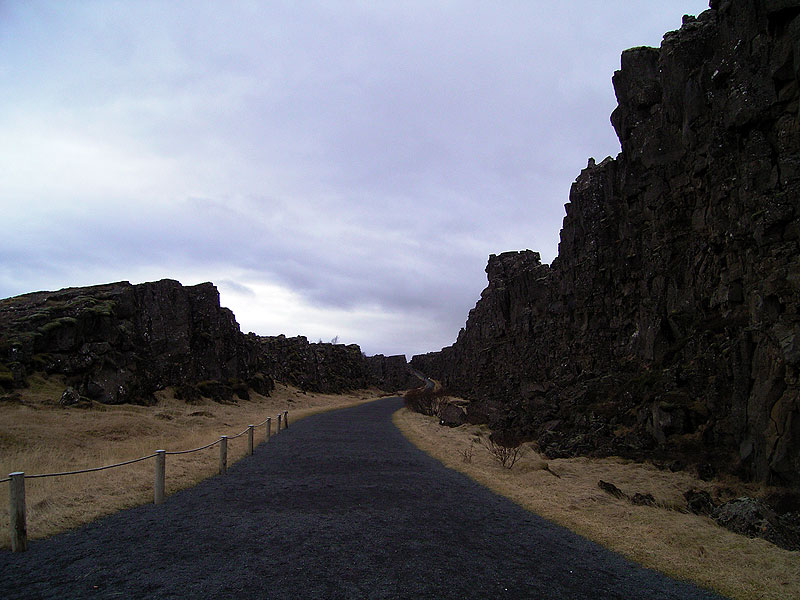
(663,537)
(39,436)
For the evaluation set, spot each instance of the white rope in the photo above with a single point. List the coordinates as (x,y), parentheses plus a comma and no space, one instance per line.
(127,462)
(194,449)
(241,433)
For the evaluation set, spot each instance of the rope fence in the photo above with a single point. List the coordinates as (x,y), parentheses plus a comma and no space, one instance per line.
(93,469)
(16,480)
(241,433)
(176,452)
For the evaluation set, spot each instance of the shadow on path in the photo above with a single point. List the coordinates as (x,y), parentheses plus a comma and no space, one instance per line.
(339,506)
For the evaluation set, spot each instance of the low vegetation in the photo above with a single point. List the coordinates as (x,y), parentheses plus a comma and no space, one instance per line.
(506,456)
(424,400)
(39,436)
(661,535)
(434,402)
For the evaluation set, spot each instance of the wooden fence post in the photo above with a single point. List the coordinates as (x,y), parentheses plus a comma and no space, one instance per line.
(278,430)
(286,419)
(159,484)
(19,529)
(223,455)
(269,428)
(250,429)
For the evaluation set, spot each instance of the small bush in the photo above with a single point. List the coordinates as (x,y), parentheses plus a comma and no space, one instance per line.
(507,456)
(216,391)
(424,400)
(41,361)
(188,393)
(6,378)
(261,384)
(241,390)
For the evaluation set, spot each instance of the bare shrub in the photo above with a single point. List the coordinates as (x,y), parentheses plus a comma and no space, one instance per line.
(424,400)
(507,456)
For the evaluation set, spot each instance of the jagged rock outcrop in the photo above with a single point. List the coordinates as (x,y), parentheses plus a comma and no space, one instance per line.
(390,373)
(320,367)
(668,324)
(119,342)
(755,518)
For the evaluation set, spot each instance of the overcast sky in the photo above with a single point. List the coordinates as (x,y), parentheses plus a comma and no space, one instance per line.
(335,168)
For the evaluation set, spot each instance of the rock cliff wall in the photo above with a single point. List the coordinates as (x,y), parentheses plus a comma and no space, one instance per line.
(390,373)
(120,343)
(668,324)
(329,368)
(322,367)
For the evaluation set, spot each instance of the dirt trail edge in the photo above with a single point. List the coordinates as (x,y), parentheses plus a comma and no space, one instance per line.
(339,506)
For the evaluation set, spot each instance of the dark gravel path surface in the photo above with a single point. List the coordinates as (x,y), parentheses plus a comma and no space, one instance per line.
(338,506)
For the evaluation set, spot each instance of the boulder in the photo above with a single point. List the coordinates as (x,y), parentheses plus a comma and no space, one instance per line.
(216,391)
(451,415)
(70,397)
(754,518)
(699,502)
(643,499)
(610,488)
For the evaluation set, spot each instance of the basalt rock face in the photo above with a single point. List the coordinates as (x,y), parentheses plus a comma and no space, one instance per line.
(320,367)
(121,342)
(390,373)
(668,325)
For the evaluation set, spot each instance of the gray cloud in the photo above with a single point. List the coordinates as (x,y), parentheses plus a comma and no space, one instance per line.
(364,158)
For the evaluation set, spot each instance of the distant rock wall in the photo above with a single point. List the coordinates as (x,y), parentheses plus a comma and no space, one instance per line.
(668,324)
(316,367)
(120,343)
(390,373)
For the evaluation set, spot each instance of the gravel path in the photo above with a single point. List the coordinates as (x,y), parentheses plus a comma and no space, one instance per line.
(338,506)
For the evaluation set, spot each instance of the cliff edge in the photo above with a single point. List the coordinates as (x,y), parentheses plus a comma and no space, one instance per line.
(668,325)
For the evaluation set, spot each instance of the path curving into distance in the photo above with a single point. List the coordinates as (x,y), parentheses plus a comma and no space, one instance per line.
(341,505)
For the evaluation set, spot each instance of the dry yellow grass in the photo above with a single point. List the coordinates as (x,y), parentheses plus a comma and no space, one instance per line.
(682,545)
(41,437)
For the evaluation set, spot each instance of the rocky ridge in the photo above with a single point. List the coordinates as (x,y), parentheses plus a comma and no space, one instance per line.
(119,342)
(668,325)
(327,367)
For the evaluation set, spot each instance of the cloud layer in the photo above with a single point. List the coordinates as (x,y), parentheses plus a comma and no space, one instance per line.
(337,168)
